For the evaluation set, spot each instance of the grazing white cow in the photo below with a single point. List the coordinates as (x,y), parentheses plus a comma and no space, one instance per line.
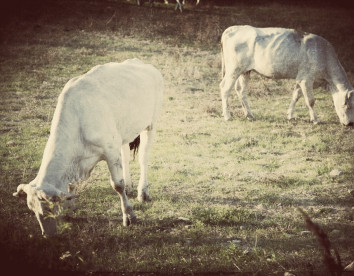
(179,3)
(98,114)
(283,54)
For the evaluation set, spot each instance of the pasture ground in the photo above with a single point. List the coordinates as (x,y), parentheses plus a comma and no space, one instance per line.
(224,193)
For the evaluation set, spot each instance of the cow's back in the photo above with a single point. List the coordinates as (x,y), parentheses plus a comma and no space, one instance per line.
(272,52)
(123,97)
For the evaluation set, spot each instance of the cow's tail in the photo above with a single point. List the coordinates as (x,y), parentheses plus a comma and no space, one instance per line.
(222,60)
(134,146)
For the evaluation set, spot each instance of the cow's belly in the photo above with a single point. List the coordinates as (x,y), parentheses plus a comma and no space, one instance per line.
(129,133)
(278,58)
(135,120)
(277,71)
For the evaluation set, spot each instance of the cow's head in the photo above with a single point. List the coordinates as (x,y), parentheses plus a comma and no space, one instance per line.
(344,104)
(45,205)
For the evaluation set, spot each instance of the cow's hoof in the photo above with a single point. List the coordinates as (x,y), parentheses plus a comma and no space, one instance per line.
(227,117)
(128,192)
(144,197)
(290,116)
(128,220)
(132,219)
(250,117)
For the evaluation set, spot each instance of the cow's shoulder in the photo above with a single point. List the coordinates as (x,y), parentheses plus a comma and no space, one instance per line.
(313,40)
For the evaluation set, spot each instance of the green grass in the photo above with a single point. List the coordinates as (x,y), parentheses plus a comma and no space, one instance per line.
(224,193)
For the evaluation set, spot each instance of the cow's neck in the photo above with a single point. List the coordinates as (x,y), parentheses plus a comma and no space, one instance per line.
(66,159)
(58,164)
(338,79)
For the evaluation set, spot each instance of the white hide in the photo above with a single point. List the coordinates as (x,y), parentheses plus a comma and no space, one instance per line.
(283,54)
(98,114)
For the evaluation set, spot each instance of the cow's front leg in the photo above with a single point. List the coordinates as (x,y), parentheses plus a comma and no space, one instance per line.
(114,161)
(306,87)
(296,97)
(241,88)
(146,138)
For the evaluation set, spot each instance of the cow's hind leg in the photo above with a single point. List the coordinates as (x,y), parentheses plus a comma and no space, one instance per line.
(126,171)
(179,5)
(146,139)
(226,85)
(306,87)
(114,161)
(296,96)
(241,88)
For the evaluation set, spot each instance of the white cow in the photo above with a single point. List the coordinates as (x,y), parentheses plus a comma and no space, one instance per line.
(283,54)
(98,114)
(179,3)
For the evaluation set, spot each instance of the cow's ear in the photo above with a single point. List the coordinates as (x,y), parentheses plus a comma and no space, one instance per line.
(71,192)
(349,99)
(71,188)
(20,191)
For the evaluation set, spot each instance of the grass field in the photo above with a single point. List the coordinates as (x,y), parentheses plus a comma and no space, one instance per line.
(225,194)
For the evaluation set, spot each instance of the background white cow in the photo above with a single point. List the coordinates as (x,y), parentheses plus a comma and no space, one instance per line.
(283,54)
(98,114)
(179,3)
